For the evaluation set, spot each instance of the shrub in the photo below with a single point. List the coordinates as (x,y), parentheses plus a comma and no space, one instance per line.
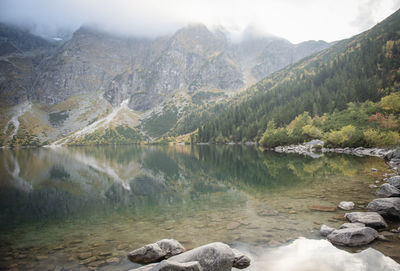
(376,138)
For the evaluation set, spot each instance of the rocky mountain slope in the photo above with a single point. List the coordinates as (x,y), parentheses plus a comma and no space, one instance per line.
(125,88)
(363,68)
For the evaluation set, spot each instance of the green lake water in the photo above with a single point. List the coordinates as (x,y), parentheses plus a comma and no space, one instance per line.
(57,203)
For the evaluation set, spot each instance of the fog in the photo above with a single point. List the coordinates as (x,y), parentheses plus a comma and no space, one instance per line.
(295,20)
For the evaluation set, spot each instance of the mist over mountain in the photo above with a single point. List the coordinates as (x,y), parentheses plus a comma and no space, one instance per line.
(170,74)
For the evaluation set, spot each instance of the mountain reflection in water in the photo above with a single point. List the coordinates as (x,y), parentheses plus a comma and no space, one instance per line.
(121,197)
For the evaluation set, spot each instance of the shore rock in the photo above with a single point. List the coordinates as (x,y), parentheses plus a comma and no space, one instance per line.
(352,225)
(389,207)
(346,205)
(325,230)
(393,154)
(353,236)
(395,181)
(241,260)
(212,257)
(370,219)
(387,190)
(160,250)
(171,266)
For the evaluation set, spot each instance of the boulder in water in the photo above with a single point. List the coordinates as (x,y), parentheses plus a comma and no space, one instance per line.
(353,236)
(370,219)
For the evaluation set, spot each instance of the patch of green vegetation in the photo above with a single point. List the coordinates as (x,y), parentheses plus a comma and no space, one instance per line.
(58,118)
(158,125)
(110,136)
(367,124)
(24,138)
(201,96)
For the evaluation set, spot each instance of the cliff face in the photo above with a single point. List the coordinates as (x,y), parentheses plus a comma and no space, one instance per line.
(20,55)
(145,71)
(149,74)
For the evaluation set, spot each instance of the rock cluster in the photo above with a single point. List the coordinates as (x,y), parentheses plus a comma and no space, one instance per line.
(211,257)
(364,225)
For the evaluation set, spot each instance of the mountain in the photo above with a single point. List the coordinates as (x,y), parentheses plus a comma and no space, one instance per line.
(20,55)
(100,88)
(364,67)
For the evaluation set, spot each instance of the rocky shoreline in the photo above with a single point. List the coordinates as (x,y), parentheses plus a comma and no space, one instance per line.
(365,227)
(316,149)
(361,229)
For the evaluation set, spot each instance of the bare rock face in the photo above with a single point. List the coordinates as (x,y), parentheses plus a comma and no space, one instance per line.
(353,236)
(388,207)
(160,250)
(370,219)
(387,190)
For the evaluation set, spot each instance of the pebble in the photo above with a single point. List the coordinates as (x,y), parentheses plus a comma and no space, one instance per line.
(105,253)
(88,260)
(321,208)
(268,212)
(113,260)
(84,255)
(232,226)
(372,186)
(382,238)
(96,263)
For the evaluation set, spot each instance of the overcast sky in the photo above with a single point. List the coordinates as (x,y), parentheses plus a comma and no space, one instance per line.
(295,20)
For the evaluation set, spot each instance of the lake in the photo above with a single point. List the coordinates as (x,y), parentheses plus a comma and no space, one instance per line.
(57,203)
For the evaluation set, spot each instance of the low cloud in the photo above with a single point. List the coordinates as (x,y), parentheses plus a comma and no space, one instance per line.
(292,19)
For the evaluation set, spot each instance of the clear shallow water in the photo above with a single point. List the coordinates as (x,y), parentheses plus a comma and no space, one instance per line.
(58,203)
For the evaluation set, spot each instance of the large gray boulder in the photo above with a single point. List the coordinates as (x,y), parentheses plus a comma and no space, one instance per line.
(395,181)
(212,257)
(387,190)
(171,266)
(352,225)
(353,236)
(388,207)
(325,230)
(370,219)
(155,252)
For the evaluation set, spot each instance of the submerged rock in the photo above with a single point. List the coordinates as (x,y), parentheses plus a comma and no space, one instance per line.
(321,208)
(325,230)
(388,190)
(389,207)
(346,205)
(353,236)
(370,219)
(160,250)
